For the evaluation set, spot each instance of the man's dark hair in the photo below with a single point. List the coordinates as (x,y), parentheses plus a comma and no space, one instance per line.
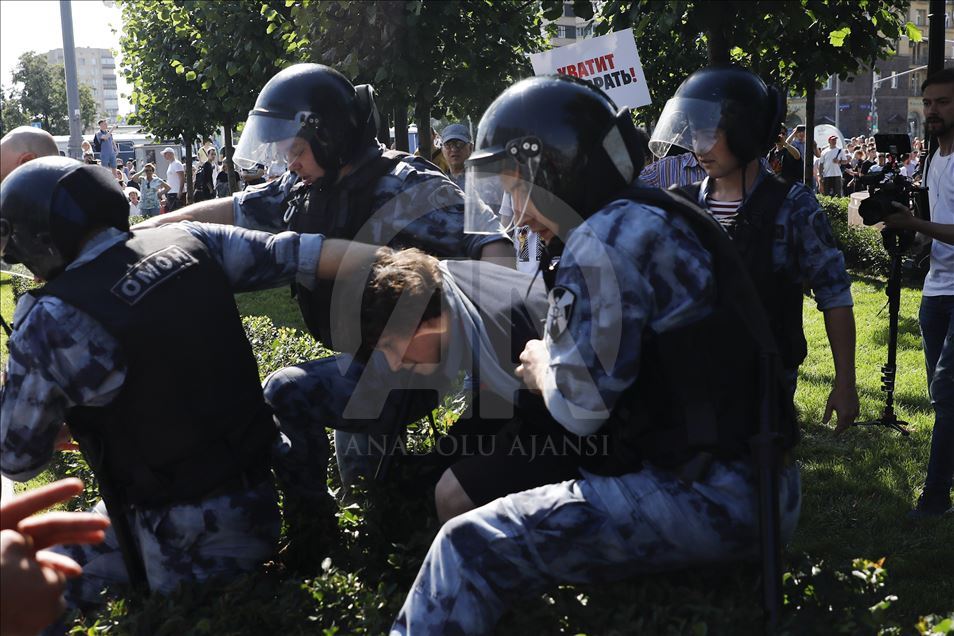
(944,76)
(403,290)
(100,121)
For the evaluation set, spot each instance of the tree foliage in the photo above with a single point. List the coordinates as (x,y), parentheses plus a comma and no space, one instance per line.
(436,57)
(40,93)
(156,36)
(796,44)
(11,112)
(229,78)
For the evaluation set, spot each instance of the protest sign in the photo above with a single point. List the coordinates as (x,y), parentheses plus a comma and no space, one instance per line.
(610,62)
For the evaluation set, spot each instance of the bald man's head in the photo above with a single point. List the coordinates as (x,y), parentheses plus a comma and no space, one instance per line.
(24,144)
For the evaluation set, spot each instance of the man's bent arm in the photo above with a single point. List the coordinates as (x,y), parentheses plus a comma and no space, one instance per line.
(212,211)
(840,327)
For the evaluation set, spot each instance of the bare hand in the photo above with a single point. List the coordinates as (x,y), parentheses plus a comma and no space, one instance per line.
(534,362)
(900,219)
(32,592)
(55,527)
(64,440)
(844,401)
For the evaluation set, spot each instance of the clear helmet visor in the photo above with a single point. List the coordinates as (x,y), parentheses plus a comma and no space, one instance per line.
(269,139)
(690,124)
(496,191)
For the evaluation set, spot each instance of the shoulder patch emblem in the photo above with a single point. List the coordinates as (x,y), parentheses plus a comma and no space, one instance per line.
(561,302)
(152,271)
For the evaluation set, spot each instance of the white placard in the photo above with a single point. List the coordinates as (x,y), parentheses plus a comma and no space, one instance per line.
(610,61)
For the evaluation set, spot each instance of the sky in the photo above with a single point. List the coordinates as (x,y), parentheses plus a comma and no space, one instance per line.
(34,25)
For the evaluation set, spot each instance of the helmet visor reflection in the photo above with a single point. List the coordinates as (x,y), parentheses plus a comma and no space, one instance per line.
(690,124)
(496,191)
(268,139)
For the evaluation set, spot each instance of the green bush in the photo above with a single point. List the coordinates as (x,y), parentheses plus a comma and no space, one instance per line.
(861,245)
(277,347)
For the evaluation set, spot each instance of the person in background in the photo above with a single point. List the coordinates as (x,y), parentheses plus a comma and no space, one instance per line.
(151,188)
(937,301)
(175,178)
(437,157)
(678,170)
(854,172)
(831,161)
(108,150)
(797,139)
(133,195)
(222,186)
(204,188)
(785,160)
(456,150)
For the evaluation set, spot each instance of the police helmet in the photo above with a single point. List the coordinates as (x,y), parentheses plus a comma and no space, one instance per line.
(570,147)
(722,97)
(48,207)
(313,102)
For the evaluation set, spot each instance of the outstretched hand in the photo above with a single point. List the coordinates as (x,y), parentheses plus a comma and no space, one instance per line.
(54,527)
(33,579)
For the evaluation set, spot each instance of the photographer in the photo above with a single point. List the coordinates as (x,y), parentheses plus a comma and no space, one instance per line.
(937,304)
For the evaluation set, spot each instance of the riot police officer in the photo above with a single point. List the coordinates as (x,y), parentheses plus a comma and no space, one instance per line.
(724,114)
(342,183)
(135,342)
(652,336)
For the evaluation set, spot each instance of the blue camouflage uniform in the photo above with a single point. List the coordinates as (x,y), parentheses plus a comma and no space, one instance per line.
(415,205)
(805,249)
(61,358)
(627,269)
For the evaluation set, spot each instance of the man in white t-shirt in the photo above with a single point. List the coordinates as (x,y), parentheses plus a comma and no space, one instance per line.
(175,177)
(937,301)
(831,161)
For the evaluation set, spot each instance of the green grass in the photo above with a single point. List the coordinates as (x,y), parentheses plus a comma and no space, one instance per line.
(277,304)
(6,310)
(859,486)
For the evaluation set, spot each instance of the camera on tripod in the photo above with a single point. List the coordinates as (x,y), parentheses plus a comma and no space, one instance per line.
(890,186)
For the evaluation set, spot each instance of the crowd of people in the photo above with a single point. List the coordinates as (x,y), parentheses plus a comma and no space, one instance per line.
(617,385)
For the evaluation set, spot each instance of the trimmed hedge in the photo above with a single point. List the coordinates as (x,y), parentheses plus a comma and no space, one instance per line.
(861,245)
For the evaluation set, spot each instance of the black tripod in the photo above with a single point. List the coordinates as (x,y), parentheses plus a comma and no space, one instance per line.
(896,243)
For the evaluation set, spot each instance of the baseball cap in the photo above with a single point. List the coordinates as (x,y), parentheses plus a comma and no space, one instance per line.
(835,137)
(168,149)
(456,131)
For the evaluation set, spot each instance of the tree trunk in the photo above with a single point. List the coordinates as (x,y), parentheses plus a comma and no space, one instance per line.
(229,151)
(716,41)
(422,113)
(400,128)
(809,133)
(190,190)
(384,134)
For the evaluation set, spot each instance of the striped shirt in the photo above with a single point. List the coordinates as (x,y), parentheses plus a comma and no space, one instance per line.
(725,212)
(680,170)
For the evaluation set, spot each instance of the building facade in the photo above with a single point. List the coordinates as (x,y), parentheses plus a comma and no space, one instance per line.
(894,106)
(95,68)
(570,28)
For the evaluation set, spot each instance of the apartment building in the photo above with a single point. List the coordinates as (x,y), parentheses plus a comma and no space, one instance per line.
(95,68)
